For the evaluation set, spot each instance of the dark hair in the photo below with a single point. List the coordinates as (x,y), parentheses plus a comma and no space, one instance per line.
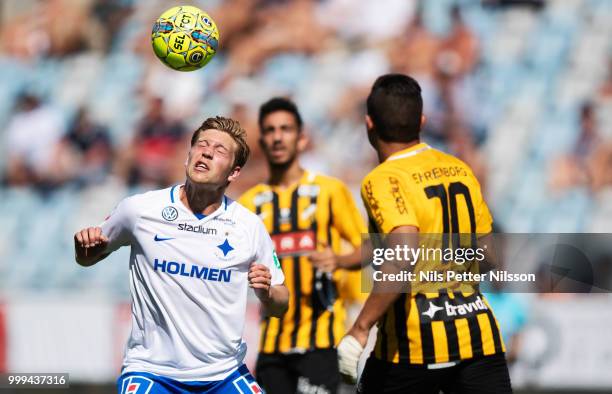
(395,106)
(231,127)
(279,104)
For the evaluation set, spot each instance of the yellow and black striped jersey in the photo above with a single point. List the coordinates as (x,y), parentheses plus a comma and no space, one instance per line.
(438,194)
(316,211)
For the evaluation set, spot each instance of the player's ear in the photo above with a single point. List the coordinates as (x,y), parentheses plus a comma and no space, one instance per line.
(369,123)
(302,141)
(370,129)
(423,120)
(234,174)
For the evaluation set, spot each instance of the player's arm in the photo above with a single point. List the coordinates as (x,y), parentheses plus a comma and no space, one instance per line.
(380,299)
(89,246)
(93,244)
(274,298)
(397,219)
(266,276)
(349,223)
(378,302)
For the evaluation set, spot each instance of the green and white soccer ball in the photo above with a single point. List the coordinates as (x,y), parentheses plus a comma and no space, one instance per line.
(185,38)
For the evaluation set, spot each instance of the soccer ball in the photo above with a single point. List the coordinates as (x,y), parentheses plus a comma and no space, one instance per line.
(185,38)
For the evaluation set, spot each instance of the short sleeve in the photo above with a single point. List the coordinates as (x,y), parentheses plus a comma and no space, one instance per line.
(386,201)
(117,226)
(347,218)
(484,220)
(266,255)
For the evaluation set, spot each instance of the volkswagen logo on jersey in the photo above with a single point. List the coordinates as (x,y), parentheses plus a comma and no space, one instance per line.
(169,213)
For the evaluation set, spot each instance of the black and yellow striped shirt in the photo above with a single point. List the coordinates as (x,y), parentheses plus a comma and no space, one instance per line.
(438,194)
(318,210)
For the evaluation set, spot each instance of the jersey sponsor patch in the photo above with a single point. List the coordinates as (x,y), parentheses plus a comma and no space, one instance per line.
(169,213)
(192,270)
(294,243)
(136,385)
(244,386)
(444,308)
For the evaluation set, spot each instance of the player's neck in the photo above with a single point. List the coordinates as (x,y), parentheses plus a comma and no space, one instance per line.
(386,149)
(285,175)
(200,199)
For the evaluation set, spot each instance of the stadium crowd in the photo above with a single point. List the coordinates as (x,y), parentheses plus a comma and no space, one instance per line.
(520,90)
(324,53)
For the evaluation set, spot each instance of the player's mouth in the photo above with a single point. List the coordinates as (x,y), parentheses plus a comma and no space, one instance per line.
(278,150)
(200,166)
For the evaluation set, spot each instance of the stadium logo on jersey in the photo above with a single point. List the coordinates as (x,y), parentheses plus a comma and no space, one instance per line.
(169,213)
(197,229)
(136,385)
(245,386)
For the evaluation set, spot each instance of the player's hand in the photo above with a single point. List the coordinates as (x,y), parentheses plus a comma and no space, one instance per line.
(260,280)
(324,260)
(350,349)
(89,243)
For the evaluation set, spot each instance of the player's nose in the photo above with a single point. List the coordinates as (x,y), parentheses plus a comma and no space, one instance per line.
(207,153)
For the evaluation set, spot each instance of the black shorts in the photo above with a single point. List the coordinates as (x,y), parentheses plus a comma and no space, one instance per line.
(485,375)
(315,371)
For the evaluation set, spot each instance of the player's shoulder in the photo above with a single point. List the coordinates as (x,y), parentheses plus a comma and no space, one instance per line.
(439,156)
(249,196)
(159,196)
(384,170)
(242,215)
(324,181)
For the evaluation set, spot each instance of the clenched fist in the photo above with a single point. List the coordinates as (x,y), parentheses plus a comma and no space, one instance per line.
(89,243)
(260,280)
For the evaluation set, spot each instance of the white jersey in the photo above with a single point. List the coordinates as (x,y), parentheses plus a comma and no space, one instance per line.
(188,280)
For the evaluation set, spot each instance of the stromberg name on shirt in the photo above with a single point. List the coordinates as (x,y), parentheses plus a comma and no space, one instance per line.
(192,270)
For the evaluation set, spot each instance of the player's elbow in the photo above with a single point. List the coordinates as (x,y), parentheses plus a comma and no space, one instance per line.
(83,263)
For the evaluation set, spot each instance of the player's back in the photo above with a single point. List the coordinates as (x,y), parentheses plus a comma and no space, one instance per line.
(438,194)
(429,189)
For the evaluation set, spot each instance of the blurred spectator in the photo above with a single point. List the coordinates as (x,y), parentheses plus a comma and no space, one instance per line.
(85,153)
(289,26)
(414,51)
(369,22)
(461,143)
(110,15)
(536,4)
(32,137)
(589,163)
(511,314)
(151,156)
(50,28)
(460,45)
